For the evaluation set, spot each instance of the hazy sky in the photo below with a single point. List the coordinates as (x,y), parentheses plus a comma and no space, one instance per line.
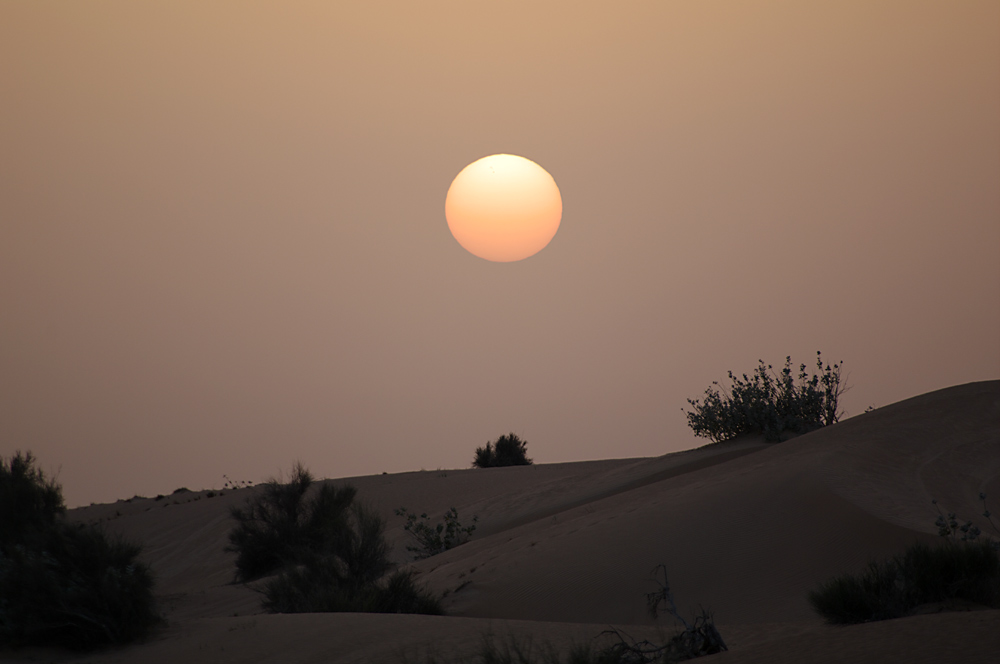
(223,244)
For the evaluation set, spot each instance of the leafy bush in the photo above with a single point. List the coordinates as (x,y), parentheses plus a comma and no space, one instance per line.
(893,588)
(432,541)
(950,528)
(63,585)
(508,450)
(330,553)
(768,403)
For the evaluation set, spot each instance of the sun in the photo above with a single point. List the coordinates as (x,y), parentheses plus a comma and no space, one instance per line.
(503,208)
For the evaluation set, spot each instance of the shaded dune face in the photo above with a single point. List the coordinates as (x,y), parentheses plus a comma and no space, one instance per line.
(744,528)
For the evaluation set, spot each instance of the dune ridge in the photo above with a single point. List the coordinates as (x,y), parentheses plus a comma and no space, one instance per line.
(563,550)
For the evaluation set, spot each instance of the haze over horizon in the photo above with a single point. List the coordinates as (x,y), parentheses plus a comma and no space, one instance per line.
(223,244)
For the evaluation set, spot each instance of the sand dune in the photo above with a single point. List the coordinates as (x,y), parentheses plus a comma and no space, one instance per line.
(562,550)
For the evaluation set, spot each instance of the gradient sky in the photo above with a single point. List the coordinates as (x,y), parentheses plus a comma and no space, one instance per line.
(223,244)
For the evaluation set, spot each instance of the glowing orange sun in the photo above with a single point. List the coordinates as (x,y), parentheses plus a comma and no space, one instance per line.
(503,208)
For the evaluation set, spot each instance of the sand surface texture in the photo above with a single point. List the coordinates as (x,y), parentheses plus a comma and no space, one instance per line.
(564,550)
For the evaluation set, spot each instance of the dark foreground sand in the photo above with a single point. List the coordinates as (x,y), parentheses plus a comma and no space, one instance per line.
(565,550)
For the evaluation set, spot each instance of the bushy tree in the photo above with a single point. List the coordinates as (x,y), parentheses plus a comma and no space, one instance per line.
(508,450)
(278,526)
(329,552)
(769,403)
(61,584)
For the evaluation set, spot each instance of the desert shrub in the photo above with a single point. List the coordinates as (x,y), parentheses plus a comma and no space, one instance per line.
(508,450)
(769,403)
(962,566)
(322,588)
(28,501)
(968,571)
(437,539)
(278,527)
(951,528)
(65,585)
(330,553)
(77,587)
(697,639)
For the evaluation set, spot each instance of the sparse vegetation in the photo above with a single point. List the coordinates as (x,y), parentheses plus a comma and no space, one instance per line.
(60,584)
(961,568)
(769,403)
(330,553)
(697,639)
(508,450)
(434,540)
(235,484)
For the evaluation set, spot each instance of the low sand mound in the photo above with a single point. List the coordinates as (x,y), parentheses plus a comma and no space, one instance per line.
(744,528)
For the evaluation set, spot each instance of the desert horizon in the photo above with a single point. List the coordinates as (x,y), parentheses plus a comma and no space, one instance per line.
(563,551)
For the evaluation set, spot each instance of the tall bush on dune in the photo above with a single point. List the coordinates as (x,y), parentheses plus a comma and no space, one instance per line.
(329,553)
(769,403)
(278,526)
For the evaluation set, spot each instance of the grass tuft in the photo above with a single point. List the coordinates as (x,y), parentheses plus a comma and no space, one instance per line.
(923,574)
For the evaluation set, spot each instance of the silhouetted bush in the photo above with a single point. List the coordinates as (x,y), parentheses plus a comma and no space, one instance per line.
(63,585)
(924,574)
(330,553)
(508,450)
(278,527)
(962,567)
(434,540)
(28,501)
(768,403)
(320,588)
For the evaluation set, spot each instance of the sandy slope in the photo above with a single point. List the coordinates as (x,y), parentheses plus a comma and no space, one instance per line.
(562,550)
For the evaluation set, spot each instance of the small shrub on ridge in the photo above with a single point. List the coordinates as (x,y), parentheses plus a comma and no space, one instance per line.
(434,540)
(508,450)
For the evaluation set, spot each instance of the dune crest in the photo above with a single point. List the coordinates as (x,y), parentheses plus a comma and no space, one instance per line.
(562,550)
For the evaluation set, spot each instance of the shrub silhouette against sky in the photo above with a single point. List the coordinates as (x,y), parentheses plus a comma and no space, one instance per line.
(769,403)
(508,450)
